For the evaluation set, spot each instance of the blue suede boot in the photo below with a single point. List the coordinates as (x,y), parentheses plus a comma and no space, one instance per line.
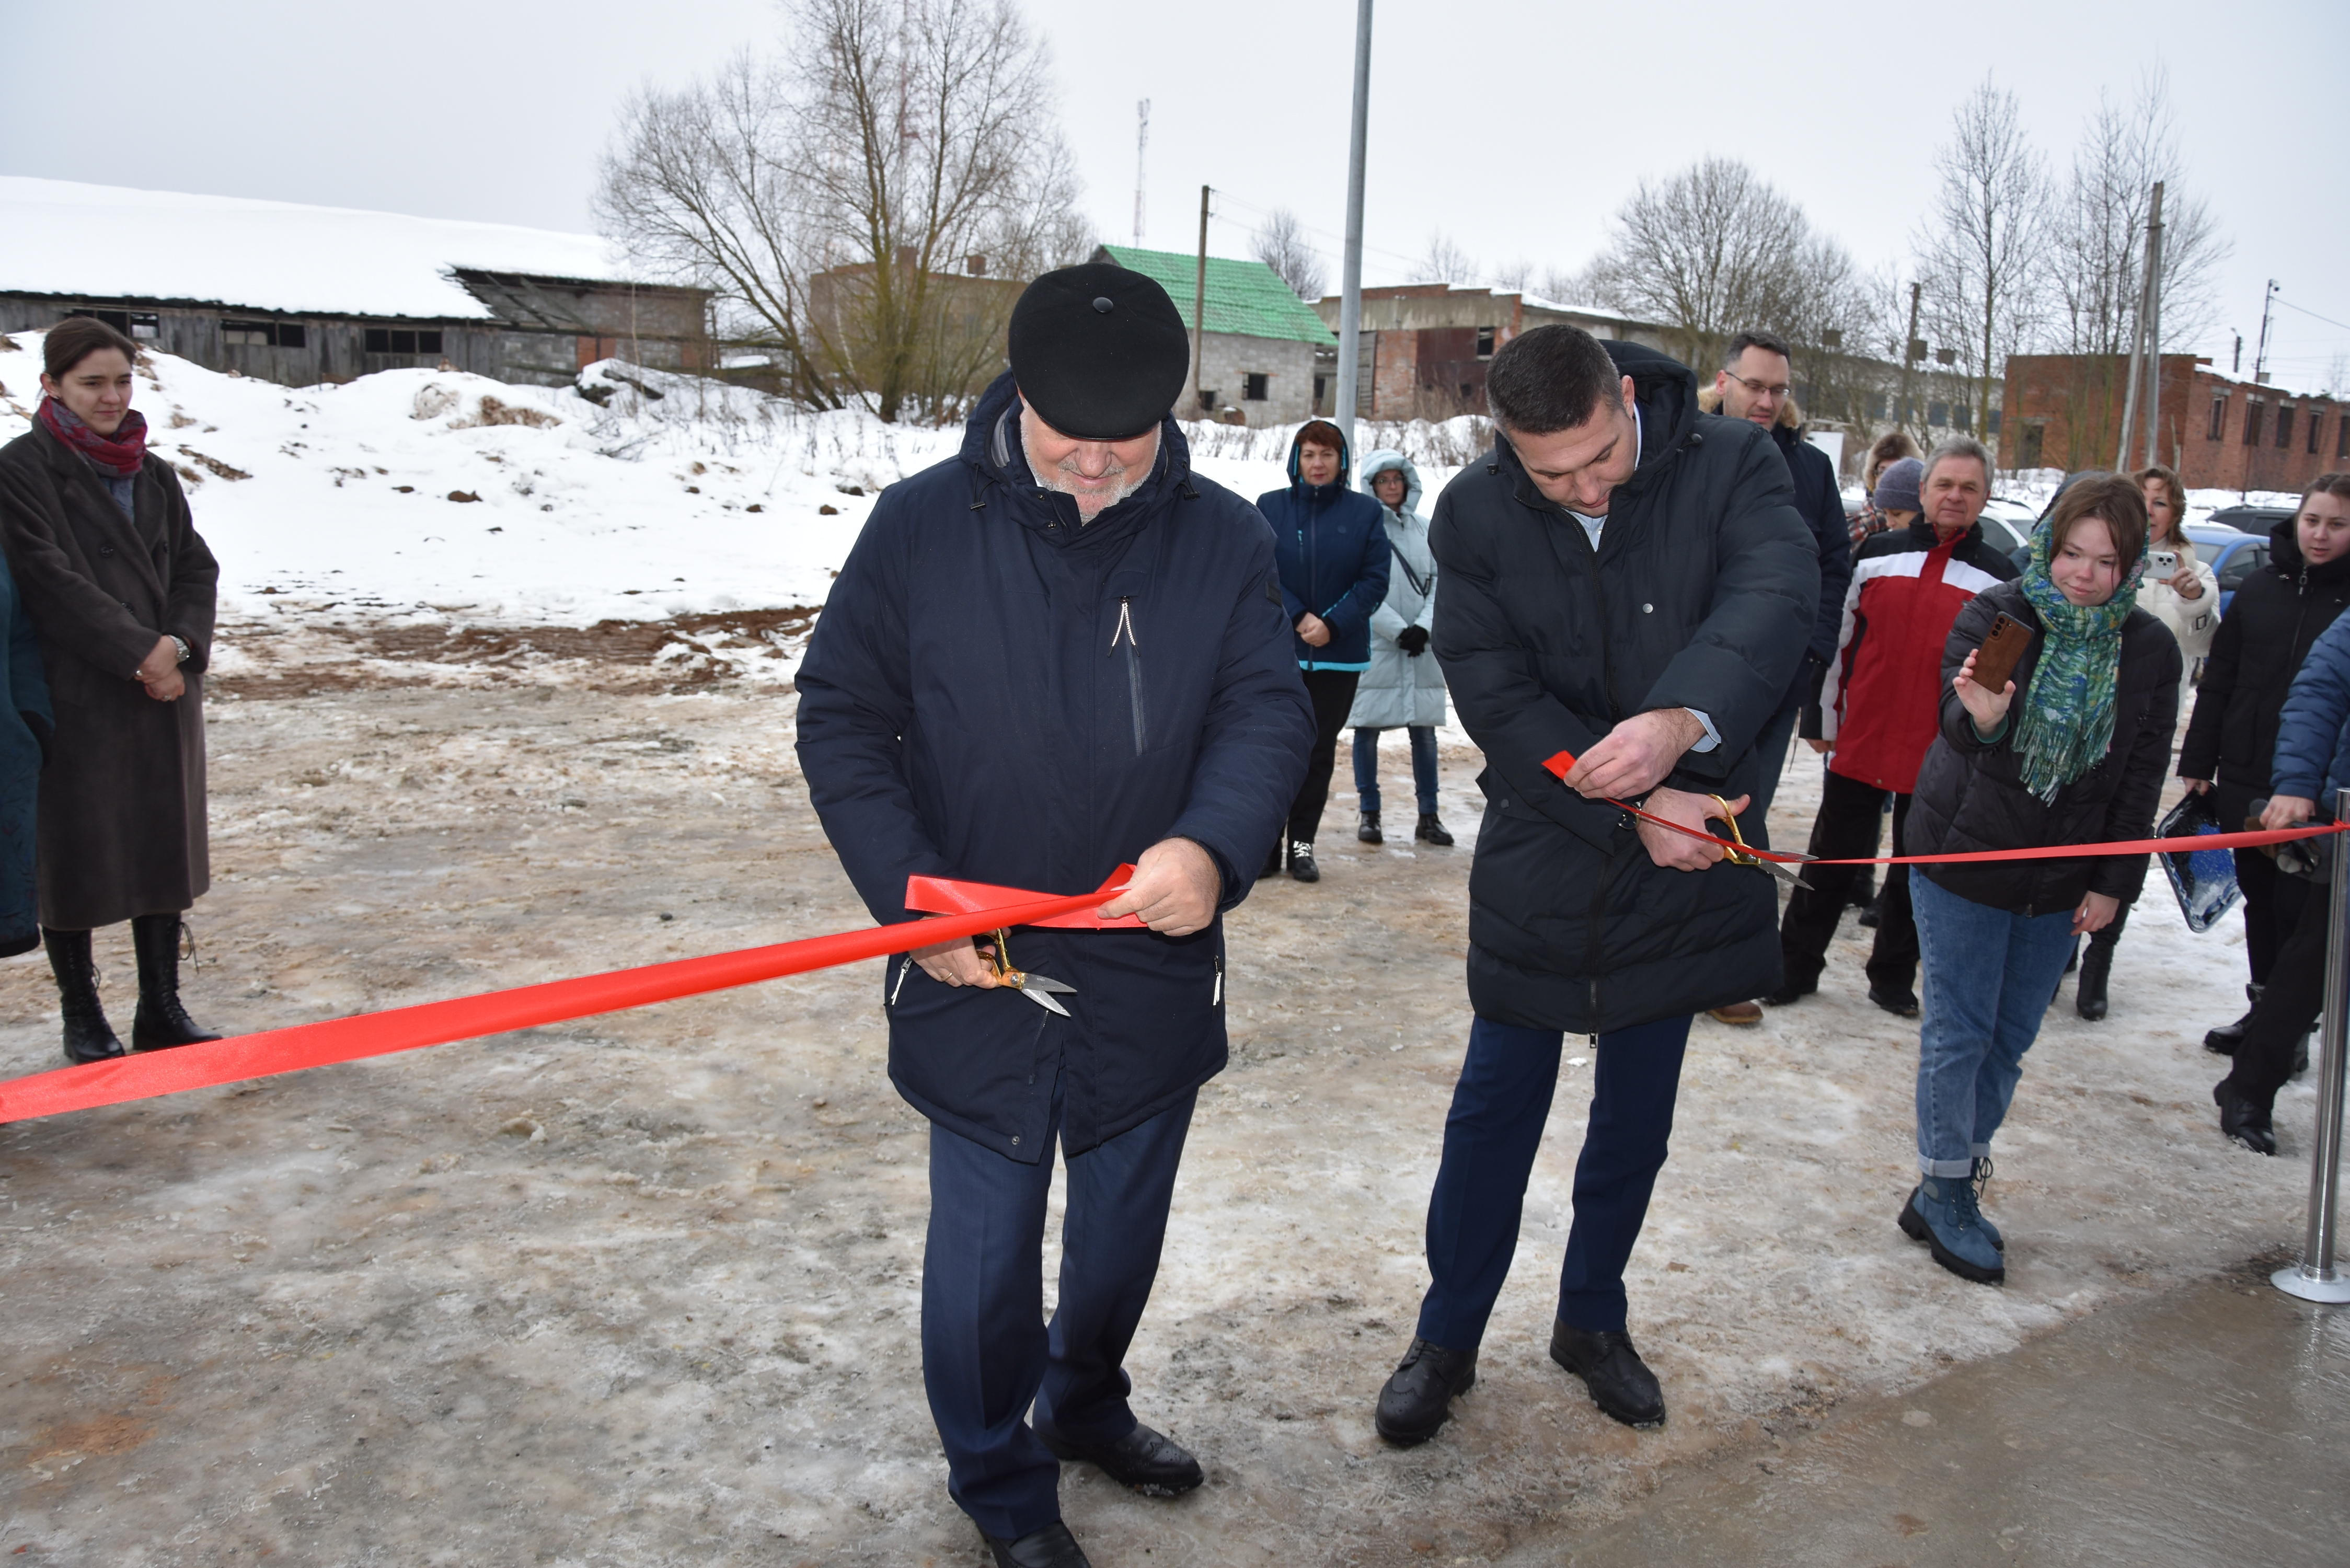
(1982,1178)
(1943,1214)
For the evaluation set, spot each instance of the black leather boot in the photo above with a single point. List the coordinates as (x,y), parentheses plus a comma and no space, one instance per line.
(2227,1037)
(1051,1547)
(2096,968)
(1621,1384)
(1301,861)
(161,1022)
(2241,1120)
(1368,830)
(88,1037)
(1431,831)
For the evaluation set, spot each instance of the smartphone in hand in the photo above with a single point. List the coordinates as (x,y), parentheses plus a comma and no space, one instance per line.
(1996,660)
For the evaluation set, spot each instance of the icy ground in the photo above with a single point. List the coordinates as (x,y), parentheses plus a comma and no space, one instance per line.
(642,1290)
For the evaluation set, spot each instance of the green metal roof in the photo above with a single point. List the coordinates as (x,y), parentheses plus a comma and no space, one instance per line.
(1244,297)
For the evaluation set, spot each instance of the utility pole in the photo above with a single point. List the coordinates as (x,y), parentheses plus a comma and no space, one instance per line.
(1911,352)
(1199,307)
(2146,286)
(1350,288)
(2154,330)
(1141,146)
(2261,355)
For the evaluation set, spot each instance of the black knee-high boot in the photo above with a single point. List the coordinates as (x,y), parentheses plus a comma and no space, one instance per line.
(2097,967)
(88,1037)
(162,1022)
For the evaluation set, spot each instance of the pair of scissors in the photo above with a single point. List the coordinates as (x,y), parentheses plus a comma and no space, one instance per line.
(1036,988)
(1742,856)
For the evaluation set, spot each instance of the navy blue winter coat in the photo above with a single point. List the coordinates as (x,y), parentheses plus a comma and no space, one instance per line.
(2312,741)
(1332,546)
(998,694)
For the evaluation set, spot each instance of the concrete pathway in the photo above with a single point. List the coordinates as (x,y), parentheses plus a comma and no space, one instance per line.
(2208,1424)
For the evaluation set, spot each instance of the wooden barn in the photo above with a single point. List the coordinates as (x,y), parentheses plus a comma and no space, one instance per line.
(300,294)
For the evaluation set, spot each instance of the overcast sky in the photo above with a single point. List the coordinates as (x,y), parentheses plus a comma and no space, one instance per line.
(1513,125)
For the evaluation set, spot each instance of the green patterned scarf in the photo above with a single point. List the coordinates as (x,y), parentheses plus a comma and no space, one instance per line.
(2066,717)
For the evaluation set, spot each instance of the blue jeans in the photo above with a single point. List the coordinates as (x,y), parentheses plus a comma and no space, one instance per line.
(1499,1107)
(1990,976)
(987,1351)
(1423,766)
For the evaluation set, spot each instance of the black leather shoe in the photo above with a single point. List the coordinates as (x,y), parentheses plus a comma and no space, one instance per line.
(1787,994)
(1272,867)
(1152,1463)
(1621,1384)
(2224,1039)
(1301,861)
(1872,912)
(1418,1398)
(1368,830)
(2241,1120)
(1901,1003)
(1431,831)
(1051,1547)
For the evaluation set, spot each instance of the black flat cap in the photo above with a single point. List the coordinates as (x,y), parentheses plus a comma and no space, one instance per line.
(1099,351)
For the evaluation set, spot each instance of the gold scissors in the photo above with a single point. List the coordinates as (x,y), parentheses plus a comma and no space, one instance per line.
(1036,988)
(1742,856)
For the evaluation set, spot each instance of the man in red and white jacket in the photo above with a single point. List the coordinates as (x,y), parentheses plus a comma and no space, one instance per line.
(1880,702)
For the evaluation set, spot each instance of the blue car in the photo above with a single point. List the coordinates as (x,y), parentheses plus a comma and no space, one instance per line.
(2232,554)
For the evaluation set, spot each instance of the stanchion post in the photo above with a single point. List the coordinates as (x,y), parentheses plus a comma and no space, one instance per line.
(2314,1278)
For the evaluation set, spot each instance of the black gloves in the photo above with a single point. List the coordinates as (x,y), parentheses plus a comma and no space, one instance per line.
(1413,640)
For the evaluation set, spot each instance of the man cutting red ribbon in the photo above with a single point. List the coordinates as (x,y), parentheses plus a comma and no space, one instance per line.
(1061,650)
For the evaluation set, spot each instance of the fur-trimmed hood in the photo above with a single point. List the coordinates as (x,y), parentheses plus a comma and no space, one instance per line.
(1791,412)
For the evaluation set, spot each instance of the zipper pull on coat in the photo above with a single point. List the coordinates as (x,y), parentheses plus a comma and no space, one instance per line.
(1125,627)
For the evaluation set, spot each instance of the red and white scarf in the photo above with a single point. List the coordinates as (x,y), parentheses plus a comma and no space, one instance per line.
(120,454)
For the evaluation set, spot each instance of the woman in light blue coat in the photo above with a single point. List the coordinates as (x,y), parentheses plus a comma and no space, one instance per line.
(1403,688)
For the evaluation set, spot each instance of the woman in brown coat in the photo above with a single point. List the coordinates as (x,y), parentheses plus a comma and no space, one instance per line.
(120,589)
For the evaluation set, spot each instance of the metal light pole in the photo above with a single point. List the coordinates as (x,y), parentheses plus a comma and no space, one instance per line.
(1350,295)
(2314,1279)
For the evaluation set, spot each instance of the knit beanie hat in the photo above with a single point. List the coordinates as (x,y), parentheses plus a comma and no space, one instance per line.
(1896,486)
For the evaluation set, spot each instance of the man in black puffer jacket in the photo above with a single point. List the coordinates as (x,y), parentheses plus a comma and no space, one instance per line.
(1626,581)
(2277,616)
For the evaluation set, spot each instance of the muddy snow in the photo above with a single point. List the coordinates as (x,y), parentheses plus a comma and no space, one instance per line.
(642,1290)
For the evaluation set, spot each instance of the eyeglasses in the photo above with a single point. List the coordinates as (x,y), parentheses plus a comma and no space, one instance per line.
(1758,389)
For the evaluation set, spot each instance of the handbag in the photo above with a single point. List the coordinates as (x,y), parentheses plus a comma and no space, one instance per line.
(2203,881)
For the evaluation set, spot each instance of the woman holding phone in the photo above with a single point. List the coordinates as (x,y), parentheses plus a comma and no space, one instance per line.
(2181,593)
(2068,748)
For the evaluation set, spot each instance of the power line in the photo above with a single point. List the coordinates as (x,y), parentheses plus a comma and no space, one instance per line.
(2329,321)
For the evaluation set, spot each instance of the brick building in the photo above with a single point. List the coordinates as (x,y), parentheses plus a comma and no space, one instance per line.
(2220,431)
(1424,346)
(1258,360)
(301,294)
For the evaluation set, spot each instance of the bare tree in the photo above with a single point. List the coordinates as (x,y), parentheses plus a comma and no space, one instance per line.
(1714,250)
(1443,261)
(1981,244)
(2098,233)
(867,209)
(1281,243)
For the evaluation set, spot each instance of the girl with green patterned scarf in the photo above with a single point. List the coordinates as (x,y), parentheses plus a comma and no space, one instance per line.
(2070,749)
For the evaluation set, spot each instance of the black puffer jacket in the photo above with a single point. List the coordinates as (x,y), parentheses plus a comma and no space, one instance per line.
(2278,614)
(1970,796)
(1701,595)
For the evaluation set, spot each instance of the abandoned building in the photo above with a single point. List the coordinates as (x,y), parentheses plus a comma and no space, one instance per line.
(2219,431)
(1265,357)
(1424,346)
(299,295)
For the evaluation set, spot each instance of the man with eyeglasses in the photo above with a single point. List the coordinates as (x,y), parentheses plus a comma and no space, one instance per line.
(1754,384)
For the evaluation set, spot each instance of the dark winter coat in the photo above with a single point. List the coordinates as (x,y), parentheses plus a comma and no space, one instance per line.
(998,694)
(2276,618)
(25,729)
(1331,544)
(1701,595)
(1821,505)
(2313,742)
(1970,796)
(122,798)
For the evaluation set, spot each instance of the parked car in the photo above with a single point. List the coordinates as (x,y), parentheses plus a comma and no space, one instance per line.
(2007,527)
(2232,554)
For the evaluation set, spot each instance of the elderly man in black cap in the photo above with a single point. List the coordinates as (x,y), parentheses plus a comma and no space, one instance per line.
(1058,652)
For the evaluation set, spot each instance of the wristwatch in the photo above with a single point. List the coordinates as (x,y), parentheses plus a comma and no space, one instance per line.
(182,644)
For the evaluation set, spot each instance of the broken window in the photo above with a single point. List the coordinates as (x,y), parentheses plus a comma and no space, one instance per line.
(2284,427)
(2316,423)
(1485,343)
(2252,411)
(145,326)
(266,334)
(1255,386)
(399,340)
(2219,418)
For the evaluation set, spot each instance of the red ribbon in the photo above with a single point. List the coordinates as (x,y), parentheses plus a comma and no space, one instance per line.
(335,1040)
(1564,762)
